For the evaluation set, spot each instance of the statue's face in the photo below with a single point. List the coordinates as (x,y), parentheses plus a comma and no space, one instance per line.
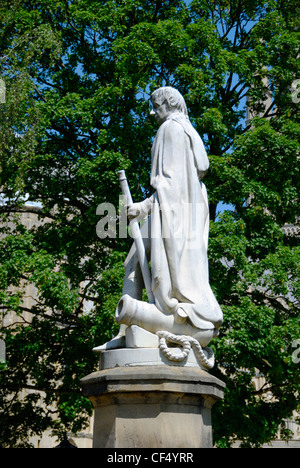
(161,111)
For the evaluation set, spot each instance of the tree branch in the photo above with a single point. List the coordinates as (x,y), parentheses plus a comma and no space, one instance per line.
(26,209)
(54,318)
(263,390)
(55,391)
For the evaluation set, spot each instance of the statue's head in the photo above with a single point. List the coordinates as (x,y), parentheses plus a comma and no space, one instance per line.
(167,100)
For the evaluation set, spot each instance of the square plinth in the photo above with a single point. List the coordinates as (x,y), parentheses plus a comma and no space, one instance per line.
(152,407)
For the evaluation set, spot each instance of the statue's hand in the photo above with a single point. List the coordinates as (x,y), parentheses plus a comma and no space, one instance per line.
(140,210)
(134,210)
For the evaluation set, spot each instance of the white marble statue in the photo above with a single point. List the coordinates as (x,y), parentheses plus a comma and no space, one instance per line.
(175,235)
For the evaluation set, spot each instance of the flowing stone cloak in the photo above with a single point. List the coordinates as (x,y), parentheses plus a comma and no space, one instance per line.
(180,224)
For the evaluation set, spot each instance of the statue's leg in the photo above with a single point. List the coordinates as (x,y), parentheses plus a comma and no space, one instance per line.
(133,285)
(133,281)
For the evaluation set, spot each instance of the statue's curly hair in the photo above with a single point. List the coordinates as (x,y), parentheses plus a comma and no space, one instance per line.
(172,97)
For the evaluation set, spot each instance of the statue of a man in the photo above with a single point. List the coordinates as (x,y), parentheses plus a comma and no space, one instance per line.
(175,234)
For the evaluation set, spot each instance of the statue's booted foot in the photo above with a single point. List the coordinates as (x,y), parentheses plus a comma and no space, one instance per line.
(118,341)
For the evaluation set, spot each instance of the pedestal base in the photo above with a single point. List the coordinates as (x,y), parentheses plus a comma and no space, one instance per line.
(152,407)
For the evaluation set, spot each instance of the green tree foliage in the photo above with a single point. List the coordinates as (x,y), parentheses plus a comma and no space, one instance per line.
(78,75)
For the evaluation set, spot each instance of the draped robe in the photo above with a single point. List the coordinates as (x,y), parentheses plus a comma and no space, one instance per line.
(180,224)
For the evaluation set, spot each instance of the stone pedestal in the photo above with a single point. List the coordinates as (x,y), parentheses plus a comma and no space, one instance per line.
(152,405)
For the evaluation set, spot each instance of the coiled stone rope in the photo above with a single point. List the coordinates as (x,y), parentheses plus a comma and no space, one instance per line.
(186,342)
